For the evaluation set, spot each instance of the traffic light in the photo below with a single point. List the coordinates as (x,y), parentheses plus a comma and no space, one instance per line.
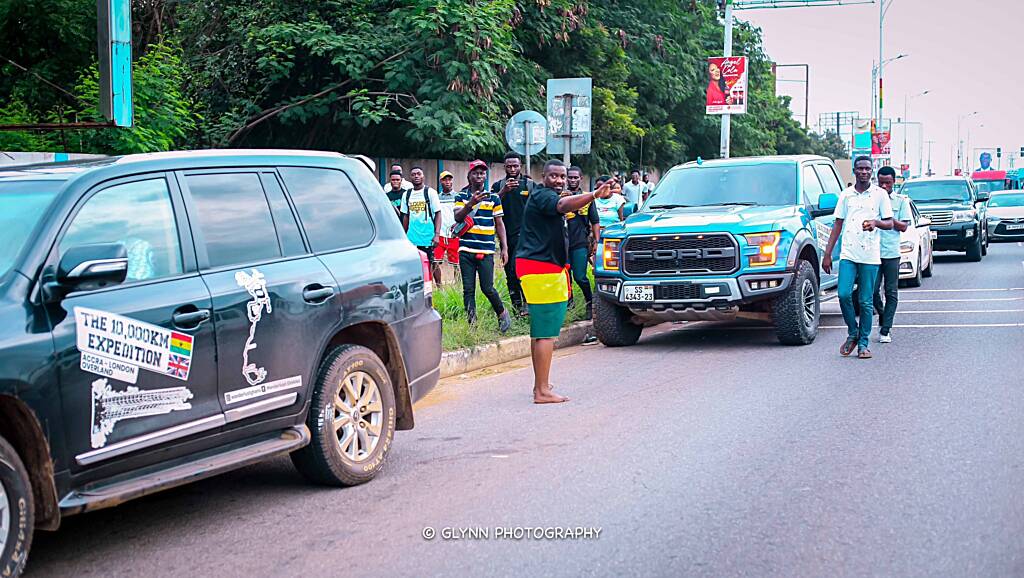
(1022,152)
(999,152)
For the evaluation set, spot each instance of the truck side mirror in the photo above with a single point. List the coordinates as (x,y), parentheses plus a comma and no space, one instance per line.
(827,203)
(924,222)
(982,197)
(629,209)
(87,267)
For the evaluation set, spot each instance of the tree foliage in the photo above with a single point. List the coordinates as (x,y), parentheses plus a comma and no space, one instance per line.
(398,78)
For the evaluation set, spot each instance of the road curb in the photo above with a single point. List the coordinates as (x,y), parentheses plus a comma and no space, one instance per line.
(466,360)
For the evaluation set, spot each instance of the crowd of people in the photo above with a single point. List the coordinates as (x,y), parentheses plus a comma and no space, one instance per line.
(476,226)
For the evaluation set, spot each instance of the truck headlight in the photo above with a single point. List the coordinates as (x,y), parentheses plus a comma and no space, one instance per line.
(767,248)
(964,216)
(907,247)
(610,254)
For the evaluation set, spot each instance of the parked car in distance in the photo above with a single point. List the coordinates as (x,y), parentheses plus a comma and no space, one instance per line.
(1006,216)
(956,210)
(168,317)
(916,258)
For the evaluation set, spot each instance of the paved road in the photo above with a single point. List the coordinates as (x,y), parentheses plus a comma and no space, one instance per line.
(701,451)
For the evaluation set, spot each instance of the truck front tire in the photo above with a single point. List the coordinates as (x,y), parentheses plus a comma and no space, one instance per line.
(16,512)
(974,250)
(797,311)
(614,325)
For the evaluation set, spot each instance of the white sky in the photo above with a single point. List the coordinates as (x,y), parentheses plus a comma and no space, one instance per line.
(968,53)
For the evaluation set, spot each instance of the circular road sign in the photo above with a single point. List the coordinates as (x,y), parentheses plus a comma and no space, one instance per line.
(516,134)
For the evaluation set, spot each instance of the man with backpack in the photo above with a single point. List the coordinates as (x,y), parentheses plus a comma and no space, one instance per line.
(421,215)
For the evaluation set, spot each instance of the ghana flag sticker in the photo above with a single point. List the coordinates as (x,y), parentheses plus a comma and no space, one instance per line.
(181,344)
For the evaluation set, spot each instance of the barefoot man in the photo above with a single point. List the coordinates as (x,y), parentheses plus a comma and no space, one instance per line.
(541,264)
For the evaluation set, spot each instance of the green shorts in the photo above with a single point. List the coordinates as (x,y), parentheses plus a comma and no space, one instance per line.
(546,319)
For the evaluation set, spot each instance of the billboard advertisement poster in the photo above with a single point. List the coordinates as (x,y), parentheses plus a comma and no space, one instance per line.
(727,85)
(862,129)
(881,137)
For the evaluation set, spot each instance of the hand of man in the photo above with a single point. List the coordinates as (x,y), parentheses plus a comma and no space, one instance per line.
(510,185)
(437,240)
(826,264)
(869,225)
(478,198)
(605,191)
(504,255)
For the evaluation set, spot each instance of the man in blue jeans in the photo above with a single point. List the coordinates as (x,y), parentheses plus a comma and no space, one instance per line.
(862,211)
(889,273)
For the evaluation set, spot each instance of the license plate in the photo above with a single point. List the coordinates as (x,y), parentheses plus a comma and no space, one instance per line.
(638,293)
(934,235)
(1015,227)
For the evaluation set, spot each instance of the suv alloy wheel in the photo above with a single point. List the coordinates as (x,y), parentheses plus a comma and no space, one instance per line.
(351,417)
(16,512)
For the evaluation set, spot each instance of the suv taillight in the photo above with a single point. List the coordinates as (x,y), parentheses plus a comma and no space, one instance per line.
(428,282)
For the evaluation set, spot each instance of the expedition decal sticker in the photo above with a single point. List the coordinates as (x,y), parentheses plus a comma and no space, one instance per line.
(824,232)
(110,406)
(256,285)
(262,389)
(117,347)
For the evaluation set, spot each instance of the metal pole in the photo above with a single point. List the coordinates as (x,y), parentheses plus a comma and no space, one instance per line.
(807,96)
(567,154)
(526,145)
(726,118)
(905,129)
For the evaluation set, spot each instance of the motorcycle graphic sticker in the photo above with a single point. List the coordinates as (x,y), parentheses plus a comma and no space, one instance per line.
(256,285)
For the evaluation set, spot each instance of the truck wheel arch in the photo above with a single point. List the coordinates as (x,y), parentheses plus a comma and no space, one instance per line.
(805,249)
(21,429)
(380,339)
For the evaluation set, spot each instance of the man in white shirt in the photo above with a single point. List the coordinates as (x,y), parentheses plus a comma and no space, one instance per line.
(421,216)
(634,189)
(448,247)
(863,209)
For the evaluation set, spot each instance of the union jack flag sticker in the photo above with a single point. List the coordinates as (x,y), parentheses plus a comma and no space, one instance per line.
(178,366)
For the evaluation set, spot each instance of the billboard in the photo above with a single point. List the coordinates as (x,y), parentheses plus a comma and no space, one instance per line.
(727,85)
(881,137)
(862,129)
(570,106)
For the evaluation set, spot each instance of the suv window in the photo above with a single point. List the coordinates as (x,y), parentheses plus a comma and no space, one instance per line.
(812,187)
(138,215)
(329,207)
(234,218)
(829,179)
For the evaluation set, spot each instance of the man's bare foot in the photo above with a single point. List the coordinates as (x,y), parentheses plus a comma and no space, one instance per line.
(545,395)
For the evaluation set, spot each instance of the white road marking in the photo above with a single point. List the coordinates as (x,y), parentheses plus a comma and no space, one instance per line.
(898,312)
(961,290)
(938,325)
(961,300)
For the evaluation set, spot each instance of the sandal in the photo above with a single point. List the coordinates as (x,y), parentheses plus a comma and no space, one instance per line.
(847,347)
(864,354)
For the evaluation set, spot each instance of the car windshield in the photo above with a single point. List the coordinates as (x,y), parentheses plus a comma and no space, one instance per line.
(702,186)
(928,192)
(21,205)
(1007,200)
(989,186)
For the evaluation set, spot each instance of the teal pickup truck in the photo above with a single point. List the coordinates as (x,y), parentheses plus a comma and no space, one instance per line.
(720,240)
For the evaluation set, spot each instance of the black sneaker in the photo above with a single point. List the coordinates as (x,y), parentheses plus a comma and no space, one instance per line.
(504,321)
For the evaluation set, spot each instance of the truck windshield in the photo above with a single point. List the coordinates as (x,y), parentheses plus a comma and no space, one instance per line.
(763,184)
(930,192)
(22,203)
(990,186)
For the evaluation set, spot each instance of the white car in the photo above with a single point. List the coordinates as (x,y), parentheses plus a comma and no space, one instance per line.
(916,258)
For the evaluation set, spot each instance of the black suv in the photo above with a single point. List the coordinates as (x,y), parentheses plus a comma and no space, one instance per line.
(172,316)
(957,211)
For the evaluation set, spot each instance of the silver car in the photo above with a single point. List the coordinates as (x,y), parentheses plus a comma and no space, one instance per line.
(1006,216)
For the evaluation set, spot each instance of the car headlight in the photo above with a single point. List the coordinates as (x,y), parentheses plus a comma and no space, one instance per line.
(610,254)
(964,216)
(767,248)
(907,247)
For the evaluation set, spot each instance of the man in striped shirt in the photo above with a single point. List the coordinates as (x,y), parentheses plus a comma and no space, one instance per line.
(477,247)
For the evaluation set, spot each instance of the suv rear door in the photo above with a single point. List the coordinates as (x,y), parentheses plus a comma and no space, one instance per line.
(274,303)
(137,361)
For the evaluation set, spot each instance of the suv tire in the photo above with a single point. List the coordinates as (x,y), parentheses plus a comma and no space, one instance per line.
(797,311)
(352,397)
(974,250)
(928,270)
(17,514)
(613,324)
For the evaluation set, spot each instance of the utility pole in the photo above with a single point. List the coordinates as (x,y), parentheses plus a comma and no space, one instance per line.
(930,143)
(727,118)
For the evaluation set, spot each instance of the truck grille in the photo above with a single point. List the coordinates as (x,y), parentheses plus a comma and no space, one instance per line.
(940,218)
(680,255)
(677,292)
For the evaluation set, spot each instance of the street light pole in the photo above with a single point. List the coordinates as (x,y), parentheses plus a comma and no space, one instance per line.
(959,141)
(883,8)
(726,118)
(906,123)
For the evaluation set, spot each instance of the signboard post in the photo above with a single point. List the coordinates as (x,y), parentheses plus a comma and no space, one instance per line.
(114,36)
(526,133)
(570,108)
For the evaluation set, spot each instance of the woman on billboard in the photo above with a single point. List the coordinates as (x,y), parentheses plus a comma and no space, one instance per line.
(717,89)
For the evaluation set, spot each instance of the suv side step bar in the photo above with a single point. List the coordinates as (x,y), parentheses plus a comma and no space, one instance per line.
(109,493)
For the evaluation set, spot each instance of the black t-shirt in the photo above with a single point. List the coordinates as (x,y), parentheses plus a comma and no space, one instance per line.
(514,203)
(579,225)
(543,234)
